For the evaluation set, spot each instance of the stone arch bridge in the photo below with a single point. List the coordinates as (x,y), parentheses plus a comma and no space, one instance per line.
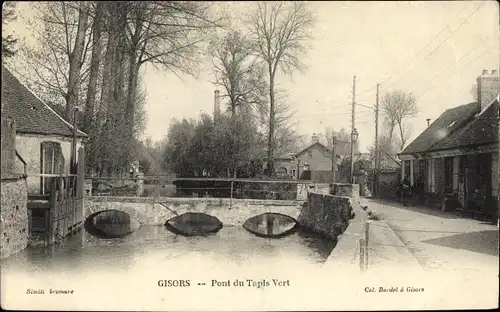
(156,211)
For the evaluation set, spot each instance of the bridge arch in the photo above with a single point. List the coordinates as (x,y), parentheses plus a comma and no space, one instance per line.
(149,211)
(93,210)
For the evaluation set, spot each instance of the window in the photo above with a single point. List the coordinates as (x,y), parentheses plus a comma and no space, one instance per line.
(51,163)
(310,154)
(293,173)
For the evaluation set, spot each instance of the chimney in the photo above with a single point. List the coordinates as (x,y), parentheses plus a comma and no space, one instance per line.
(428,121)
(216,103)
(314,138)
(488,87)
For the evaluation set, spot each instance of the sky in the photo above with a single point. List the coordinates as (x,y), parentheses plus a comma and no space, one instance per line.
(433,49)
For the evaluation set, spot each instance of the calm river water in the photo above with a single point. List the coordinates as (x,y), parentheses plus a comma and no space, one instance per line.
(155,247)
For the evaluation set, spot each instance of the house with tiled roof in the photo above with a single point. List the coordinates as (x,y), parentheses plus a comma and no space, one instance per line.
(456,157)
(315,159)
(43,137)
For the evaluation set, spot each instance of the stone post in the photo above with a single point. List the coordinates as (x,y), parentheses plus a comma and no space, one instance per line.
(140,184)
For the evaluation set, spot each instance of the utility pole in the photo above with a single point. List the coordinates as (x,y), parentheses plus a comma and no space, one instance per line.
(352,126)
(377,152)
(73,144)
(334,160)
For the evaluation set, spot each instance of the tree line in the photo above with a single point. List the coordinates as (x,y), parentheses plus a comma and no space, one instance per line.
(257,124)
(90,56)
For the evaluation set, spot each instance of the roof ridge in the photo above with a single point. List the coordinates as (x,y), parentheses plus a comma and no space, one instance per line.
(487,106)
(438,131)
(311,145)
(43,102)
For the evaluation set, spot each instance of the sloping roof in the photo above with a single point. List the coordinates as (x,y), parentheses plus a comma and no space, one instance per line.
(481,130)
(30,113)
(387,156)
(285,156)
(450,121)
(311,146)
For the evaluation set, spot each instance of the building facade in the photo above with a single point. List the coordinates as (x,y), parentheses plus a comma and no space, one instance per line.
(456,157)
(44,139)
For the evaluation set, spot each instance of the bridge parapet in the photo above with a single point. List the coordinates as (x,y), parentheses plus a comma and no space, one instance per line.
(156,211)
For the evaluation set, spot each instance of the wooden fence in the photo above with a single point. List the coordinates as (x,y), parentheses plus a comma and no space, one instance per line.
(59,213)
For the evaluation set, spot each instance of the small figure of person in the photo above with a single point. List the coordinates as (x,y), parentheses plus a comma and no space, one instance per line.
(405,192)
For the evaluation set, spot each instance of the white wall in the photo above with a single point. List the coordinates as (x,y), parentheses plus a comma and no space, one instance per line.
(28,146)
(319,160)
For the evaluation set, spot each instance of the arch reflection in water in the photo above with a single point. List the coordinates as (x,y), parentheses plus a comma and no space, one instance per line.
(110,224)
(193,224)
(271,225)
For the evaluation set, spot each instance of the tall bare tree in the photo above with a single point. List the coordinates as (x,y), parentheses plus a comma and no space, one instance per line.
(95,63)
(279,31)
(166,34)
(237,72)
(285,138)
(397,107)
(75,57)
(8,41)
(47,65)
(119,37)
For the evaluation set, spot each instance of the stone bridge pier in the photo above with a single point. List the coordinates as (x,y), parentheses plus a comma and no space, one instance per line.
(156,211)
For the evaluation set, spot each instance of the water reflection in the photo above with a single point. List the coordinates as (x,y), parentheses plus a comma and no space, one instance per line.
(155,247)
(272,225)
(194,224)
(317,242)
(110,224)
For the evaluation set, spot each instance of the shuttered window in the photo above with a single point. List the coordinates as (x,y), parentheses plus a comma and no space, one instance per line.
(51,163)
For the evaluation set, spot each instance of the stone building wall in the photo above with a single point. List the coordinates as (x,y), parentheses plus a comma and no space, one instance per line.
(326,214)
(8,143)
(317,158)
(14,215)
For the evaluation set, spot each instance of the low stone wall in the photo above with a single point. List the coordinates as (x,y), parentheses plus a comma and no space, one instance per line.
(345,189)
(326,214)
(345,255)
(304,188)
(156,211)
(14,215)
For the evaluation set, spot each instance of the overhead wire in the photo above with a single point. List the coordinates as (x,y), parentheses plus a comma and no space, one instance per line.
(428,55)
(436,48)
(456,72)
(461,58)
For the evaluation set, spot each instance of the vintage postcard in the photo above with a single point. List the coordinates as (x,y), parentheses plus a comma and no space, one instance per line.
(250,156)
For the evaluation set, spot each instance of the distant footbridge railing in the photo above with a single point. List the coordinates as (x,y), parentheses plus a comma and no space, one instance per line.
(165,186)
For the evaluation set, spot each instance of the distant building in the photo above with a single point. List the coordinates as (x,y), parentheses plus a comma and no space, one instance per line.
(316,159)
(286,166)
(456,156)
(43,137)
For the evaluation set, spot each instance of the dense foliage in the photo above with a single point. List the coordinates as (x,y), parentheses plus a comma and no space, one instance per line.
(227,146)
